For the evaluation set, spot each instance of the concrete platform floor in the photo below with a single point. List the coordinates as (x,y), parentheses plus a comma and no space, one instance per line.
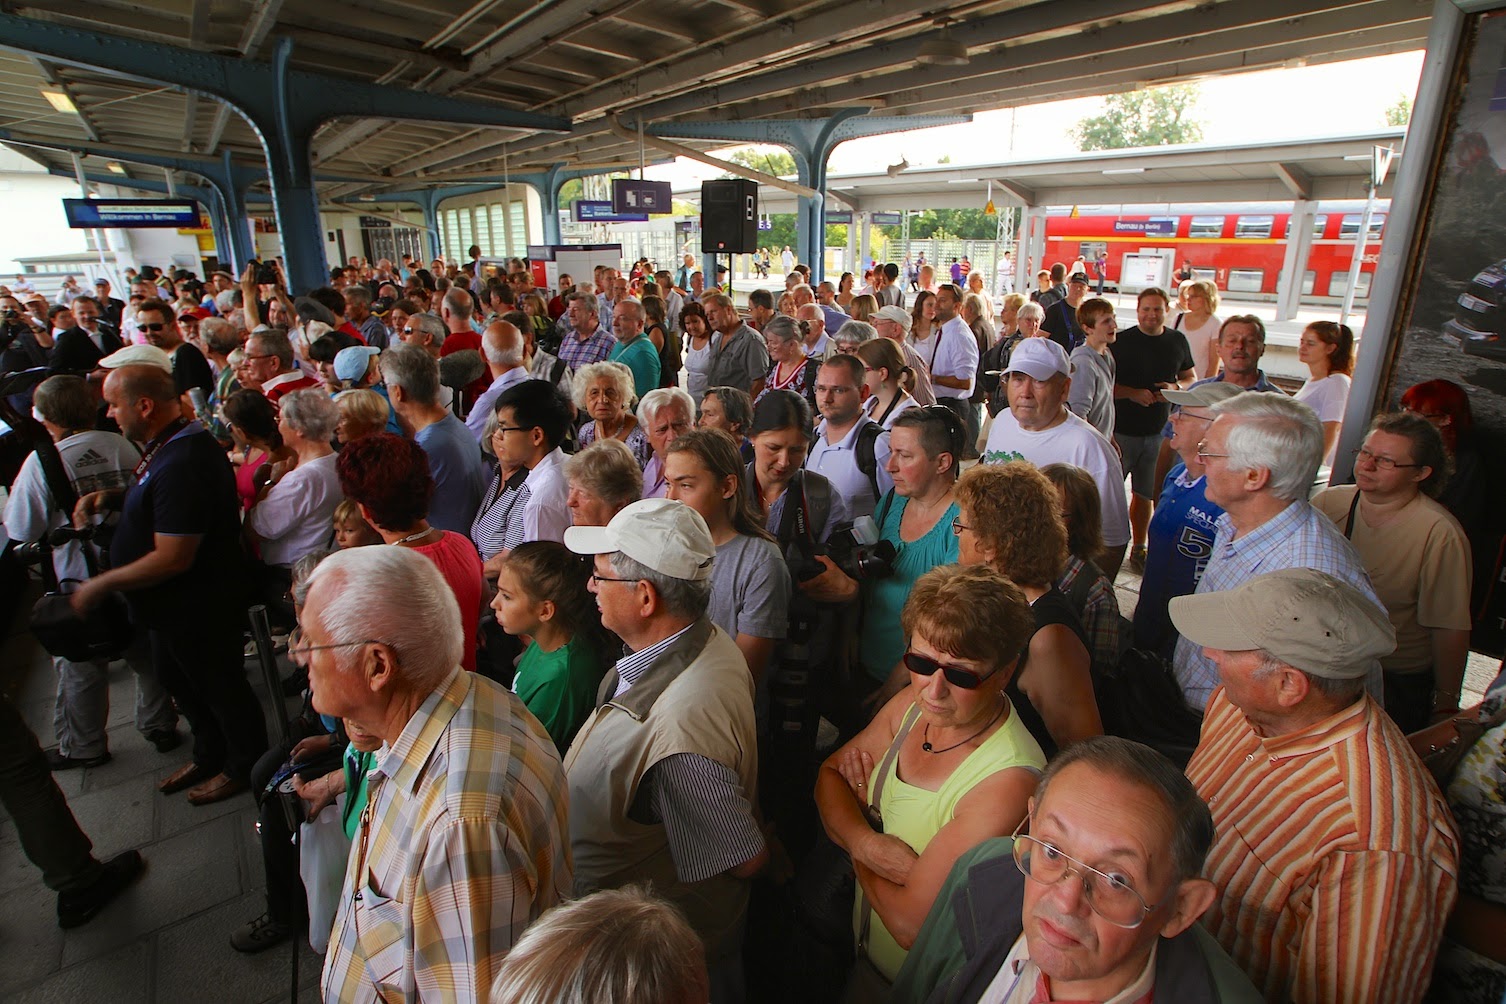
(166,939)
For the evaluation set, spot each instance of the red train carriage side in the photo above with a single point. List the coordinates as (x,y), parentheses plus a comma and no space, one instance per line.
(1241,248)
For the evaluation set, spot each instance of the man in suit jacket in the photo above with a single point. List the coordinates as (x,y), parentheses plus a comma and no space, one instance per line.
(111,308)
(81,347)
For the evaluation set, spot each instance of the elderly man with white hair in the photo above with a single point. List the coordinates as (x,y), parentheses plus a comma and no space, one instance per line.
(664,773)
(462,842)
(1260,456)
(503,348)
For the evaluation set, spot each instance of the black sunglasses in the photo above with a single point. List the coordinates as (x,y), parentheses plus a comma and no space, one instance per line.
(150,327)
(955,675)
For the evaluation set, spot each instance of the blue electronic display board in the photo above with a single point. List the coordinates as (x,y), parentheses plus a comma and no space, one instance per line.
(85,214)
(592,211)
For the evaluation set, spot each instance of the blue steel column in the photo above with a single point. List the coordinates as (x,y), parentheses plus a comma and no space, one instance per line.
(548,184)
(236,180)
(284,106)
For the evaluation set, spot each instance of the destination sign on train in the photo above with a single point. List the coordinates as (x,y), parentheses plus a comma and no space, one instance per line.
(84,214)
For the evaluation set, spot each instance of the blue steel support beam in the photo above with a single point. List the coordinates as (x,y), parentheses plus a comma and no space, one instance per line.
(284,106)
(811,141)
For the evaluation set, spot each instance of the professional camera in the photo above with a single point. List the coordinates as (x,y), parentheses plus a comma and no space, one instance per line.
(854,547)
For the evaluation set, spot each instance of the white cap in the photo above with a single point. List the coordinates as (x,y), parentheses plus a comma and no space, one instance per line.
(138,355)
(1039,359)
(896,314)
(667,536)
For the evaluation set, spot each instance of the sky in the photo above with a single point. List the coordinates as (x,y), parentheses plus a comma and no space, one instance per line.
(1361,89)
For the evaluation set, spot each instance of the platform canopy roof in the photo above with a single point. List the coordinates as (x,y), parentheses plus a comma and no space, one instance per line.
(604,66)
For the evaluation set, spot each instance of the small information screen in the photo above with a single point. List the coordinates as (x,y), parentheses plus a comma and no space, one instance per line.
(85,214)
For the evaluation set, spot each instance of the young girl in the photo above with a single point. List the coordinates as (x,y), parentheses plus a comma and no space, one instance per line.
(350,529)
(541,593)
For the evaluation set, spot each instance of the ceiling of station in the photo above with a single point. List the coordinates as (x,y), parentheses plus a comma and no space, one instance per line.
(605,62)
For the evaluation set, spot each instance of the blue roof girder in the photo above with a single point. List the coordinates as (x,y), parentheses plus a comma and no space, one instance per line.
(283,106)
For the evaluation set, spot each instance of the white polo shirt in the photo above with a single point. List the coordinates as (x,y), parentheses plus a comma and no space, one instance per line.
(838,463)
(951,352)
(546,515)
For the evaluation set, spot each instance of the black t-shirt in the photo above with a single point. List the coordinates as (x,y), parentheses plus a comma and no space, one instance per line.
(1061,324)
(191,369)
(1144,361)
(188,489)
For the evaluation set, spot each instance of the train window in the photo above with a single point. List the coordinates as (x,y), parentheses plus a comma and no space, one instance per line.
(1309,282)
(1338,282)
(1246,280)
(1206,226)
(1254,227)
(1090,250)
(1349,227)
(1320,222)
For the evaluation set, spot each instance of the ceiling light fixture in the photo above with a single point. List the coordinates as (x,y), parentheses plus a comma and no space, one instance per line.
(942,50)
(59,100)
(115,167)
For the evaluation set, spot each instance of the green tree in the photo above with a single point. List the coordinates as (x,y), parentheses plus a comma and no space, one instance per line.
(1157,116)
(943,224)
(1400,113)
(768,159)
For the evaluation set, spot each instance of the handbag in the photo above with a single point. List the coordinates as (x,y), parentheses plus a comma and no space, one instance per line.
(105,632)
(1442,761)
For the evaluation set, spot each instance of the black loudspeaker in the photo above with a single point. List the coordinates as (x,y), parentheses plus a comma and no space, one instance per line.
(729,216)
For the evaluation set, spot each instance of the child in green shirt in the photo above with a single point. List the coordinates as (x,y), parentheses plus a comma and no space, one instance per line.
(542,594)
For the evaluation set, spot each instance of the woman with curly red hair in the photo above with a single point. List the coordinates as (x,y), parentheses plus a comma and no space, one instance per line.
(388,477)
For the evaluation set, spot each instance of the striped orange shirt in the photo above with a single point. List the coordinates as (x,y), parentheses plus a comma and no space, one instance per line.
(1335,857)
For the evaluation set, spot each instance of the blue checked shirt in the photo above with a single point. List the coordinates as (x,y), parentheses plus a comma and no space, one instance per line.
(1298,537)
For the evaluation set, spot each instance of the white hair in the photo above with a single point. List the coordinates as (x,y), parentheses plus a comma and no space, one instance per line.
(394,596)
(511,355)
(1030,309)
(592,372)
(312,413)
(661,397)
(1275,433)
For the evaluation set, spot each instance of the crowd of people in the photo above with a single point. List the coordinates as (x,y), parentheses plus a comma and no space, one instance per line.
(639,638)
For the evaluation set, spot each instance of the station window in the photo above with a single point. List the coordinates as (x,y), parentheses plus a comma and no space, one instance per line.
(1338,282)
(518,231)
(1206,226)
(1349,227)
(1254,227)
(1246,280)
(466,235)
(498,213)
(483,230)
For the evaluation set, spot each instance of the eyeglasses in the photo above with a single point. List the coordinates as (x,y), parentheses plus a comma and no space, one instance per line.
(1203,454)
(1431,416)
(250,358)
(598,579)
(150,327)
(966,679)
(958,526)
(1180,412)
(301,647)
(1380,462)
(503,429)
(1109,896)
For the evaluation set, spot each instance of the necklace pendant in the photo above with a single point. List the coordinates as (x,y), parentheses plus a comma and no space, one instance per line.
(926,747)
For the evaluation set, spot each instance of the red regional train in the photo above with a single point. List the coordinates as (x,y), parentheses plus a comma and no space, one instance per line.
(1241,247)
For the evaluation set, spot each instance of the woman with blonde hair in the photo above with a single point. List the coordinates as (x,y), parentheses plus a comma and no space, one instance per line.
(863,307)
(362,412)
(883,371)
(1201,324)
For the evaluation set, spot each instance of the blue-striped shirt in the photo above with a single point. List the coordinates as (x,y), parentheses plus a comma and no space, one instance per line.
(1297,537)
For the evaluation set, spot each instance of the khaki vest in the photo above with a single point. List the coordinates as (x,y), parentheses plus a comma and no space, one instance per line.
(697,697)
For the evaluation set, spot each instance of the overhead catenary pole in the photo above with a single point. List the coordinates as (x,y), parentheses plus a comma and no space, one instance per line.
(105,271)
(1380,162)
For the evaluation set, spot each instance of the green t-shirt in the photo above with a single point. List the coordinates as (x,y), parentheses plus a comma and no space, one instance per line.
(642,358)
(559,687)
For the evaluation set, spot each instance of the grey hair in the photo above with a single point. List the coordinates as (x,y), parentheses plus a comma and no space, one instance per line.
(1192,823)
(429,325)
(1339,692)
(303,567)
(718,299)
(687,598)
(312,413)
(855,331)
(658,399)
(224,300)
(396,597)
(619,945)
(784,328)
(1030,309)
(219,335)
(635,308)
(274,342)
(608,470)
(459,301)
(512,356)
(412,369)
(359,293)
(591,372)
(1275,433)
(795,289)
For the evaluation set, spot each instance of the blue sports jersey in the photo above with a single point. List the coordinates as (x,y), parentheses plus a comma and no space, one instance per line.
(1177,550)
